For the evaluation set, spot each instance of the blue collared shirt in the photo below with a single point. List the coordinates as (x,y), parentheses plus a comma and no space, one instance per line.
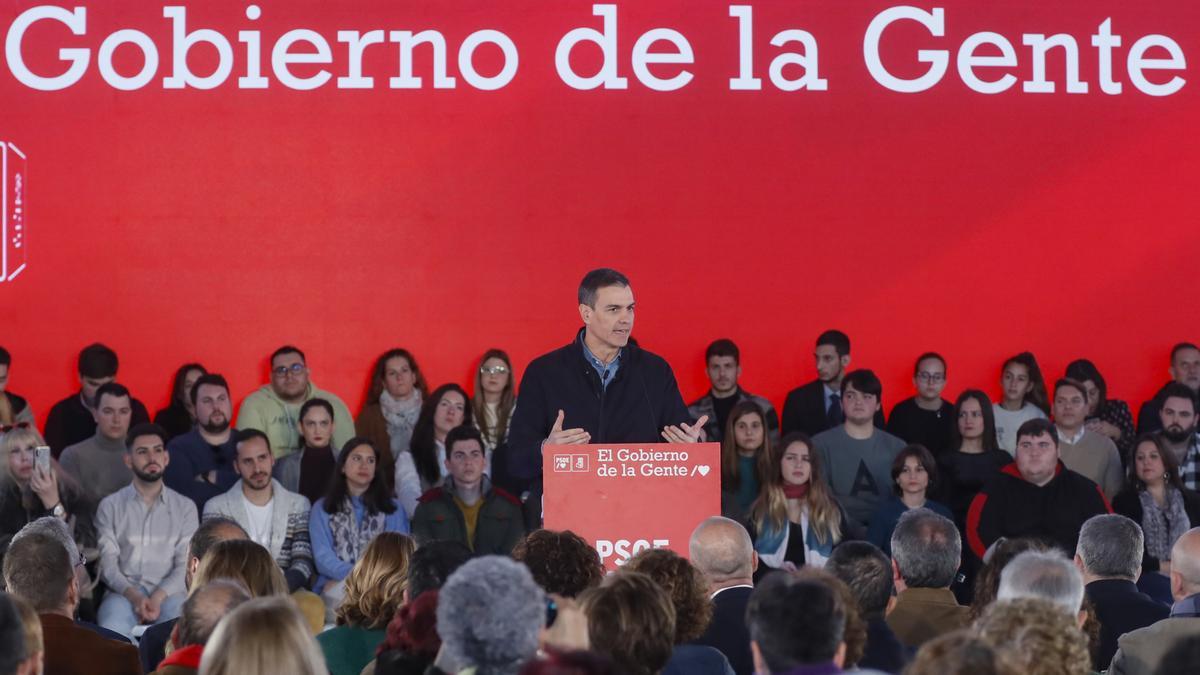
(829,394)
(606,372)
(1189,606)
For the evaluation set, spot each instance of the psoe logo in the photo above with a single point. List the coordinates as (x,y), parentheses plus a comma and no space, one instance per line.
(12,221)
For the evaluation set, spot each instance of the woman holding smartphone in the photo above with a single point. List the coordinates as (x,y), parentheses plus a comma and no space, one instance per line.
(30,489)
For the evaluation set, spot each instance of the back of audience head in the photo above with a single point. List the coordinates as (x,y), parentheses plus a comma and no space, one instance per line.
(960,653)
(263,636)
(854,632)
(210,531)
(867,572)
(926,549)
(1110,547)
(795,622)
(412,636)
(562,563)
(432,564)
(205,607)
(375,586)
(1047,575)
(1185,565)
(489,614)
(38,568)
(631,620)
(97,365)
(14,653)
(1037,636)
(721,549)
(987,581)
(243,561)
(684,584)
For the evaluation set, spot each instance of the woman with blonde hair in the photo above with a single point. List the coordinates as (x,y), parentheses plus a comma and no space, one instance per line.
(252,566)
(374,590)
(28,493)
(796,520)
(264,636)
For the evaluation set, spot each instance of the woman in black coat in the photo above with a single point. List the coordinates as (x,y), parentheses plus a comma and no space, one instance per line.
(1155,498)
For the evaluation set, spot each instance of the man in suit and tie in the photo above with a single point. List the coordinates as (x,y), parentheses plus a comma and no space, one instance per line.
(817,406)
(721,549)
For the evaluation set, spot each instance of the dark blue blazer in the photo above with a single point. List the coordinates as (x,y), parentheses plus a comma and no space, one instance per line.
(728,632)
(1121,608)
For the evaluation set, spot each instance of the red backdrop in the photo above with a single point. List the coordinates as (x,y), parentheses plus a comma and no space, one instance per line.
(215,225)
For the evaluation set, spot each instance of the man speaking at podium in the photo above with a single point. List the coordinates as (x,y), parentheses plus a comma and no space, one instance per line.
(600,388)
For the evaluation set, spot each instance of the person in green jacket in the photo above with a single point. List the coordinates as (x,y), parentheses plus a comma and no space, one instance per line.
(274,408)
(466,507)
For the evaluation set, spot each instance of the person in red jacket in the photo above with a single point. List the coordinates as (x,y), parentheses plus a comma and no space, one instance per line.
(1036,496)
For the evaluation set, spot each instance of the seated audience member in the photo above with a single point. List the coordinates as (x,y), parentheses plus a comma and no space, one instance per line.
(152,644)
(975,457)
(432,564)
(1182,657)
(721,549)
(445,409)
(1044,575)
(13,409)
(1084,451)
(723,365)
(914,476)
(374,591)
(1024,399)
(202,459)
(31,627)
(272,516)
(960,653)
(1177,415)
(74,419)
(309,470)
(857,454)
(1155,498)
(1037,636)
(688,592)
(795,521)
(925,419)
(1036,496)
(1106,416)
(745,459)
(1184,371)
(492,408)
(144,532)
(201,613)
(867,572)
(467,507)
(1142,650)
(987,583)
(489,614)
(179,416)
(562,563)
(355,509)
(576,662)
(263,636)
(15,656)
(27,493)
(391,409)
(98,463)
(39,569)
(274,408)
(1110,558)
(854,632)
(631,620)
(817,406)
(926,552)
(796,626)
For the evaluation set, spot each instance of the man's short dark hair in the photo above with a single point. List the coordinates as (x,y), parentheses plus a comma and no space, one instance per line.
(723,347)
(38,568)
(1177,390)
(462,432)
(927,549)
(205,536)
(1182,347)
(864,382)
(12,636)
(1068,382)
(1037,427)
(868,573)
(115,389)
(212,379)
(97,361)
(836,339)
(433,563)
(317,403)
(595,280)
(795,622)
(145,429)
(561,562)
(204,608)
(244,435)
(5,357)
(287,349)
(926,356)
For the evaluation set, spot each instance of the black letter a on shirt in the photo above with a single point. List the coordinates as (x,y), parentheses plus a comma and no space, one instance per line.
(863,481)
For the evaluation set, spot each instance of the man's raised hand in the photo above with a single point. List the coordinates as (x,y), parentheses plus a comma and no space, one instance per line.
(560,436)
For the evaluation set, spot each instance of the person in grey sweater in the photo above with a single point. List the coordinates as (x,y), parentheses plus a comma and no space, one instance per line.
(98,463)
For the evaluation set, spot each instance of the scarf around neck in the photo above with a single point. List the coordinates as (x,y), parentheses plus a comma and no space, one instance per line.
(1164,525)
(350,538)
(400,416)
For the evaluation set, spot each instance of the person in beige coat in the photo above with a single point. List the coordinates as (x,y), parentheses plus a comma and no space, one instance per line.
(1141,651)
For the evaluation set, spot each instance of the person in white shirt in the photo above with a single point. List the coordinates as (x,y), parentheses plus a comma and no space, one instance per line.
(1024,399)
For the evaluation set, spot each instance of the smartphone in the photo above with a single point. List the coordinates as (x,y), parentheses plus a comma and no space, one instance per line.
(41,459)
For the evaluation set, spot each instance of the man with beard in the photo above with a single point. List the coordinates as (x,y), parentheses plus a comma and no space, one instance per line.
(308,470)
(202,459)
(273,516)
(1178,419)
(144,532)
(817,406)
(723,364)
(1185,371)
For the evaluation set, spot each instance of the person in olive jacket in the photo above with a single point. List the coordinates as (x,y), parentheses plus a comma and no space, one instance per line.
(466,507)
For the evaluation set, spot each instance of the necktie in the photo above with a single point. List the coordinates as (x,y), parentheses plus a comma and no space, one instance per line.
(836,416)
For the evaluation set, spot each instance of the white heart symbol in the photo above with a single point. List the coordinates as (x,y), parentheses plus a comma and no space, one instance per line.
(703,469)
